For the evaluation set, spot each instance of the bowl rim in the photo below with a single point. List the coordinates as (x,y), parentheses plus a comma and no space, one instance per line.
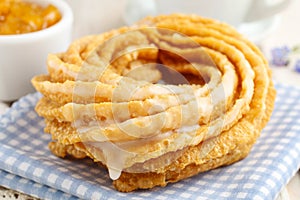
(66,19)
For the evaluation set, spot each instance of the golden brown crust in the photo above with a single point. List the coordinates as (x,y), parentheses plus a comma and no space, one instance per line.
(225,152)
(225,131)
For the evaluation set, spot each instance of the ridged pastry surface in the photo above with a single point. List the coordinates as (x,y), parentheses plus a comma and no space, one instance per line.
(157,102)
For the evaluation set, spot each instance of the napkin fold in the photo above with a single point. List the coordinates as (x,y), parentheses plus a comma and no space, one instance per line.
(26,164)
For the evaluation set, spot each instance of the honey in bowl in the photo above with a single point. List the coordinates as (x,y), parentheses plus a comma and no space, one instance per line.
(18,16)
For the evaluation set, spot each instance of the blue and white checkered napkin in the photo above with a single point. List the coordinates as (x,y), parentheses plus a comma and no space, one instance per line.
(27,165)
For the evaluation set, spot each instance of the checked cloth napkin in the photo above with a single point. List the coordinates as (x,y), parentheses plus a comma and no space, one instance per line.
(27,165)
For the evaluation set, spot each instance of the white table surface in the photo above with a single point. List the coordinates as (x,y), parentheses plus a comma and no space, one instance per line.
(286,31)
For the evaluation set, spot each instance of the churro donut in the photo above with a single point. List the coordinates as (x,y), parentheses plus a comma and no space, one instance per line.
(157,102)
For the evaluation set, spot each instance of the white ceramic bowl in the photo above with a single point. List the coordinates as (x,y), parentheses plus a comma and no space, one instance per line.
(24,56)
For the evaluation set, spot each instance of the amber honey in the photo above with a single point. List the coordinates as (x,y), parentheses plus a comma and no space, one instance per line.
(18,16)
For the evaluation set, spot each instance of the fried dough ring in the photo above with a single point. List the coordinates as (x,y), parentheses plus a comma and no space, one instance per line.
(78,90)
